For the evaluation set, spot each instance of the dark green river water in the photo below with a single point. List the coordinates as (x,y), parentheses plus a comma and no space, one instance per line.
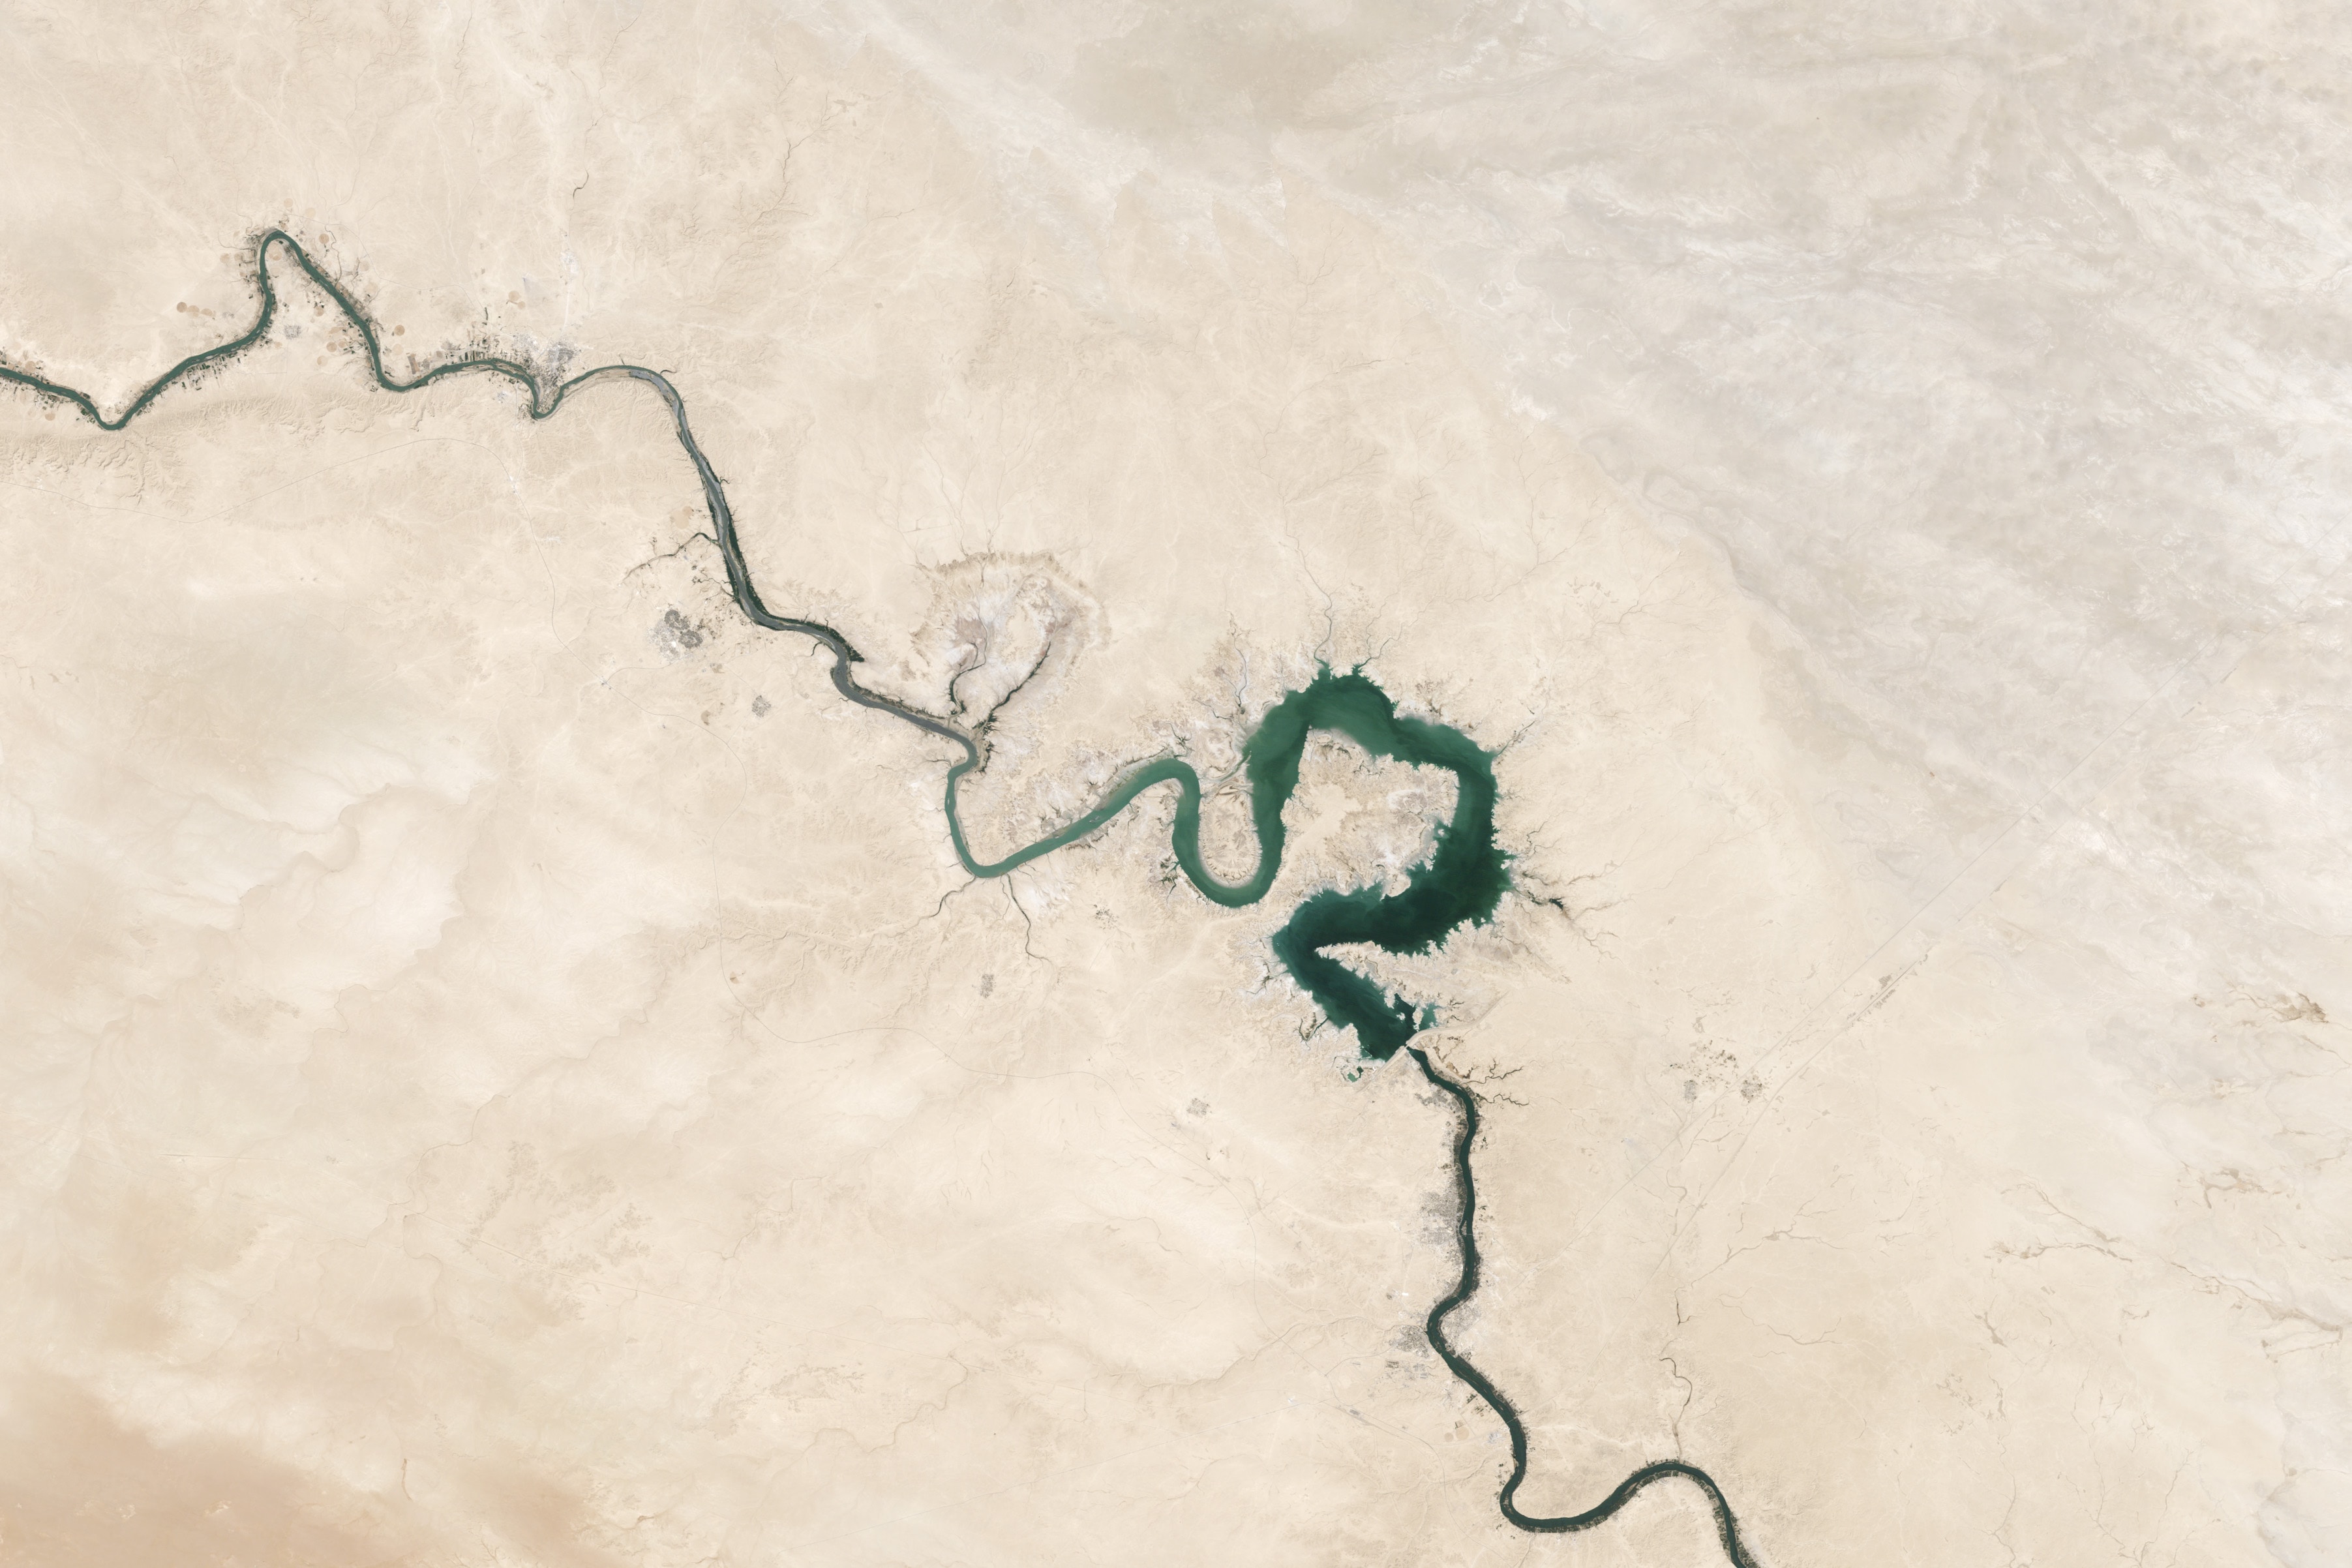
(1460,884)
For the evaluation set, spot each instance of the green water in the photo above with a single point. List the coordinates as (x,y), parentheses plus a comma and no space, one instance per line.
(1460,883)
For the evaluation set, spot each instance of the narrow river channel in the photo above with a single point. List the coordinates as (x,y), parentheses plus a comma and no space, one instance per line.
(1461,883)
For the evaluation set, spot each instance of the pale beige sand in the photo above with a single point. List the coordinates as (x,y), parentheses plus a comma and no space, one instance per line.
(502,1066)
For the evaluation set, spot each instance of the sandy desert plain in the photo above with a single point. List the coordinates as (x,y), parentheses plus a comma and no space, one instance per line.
(502,1065)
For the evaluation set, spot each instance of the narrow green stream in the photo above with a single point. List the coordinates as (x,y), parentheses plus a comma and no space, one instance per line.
(1461,883)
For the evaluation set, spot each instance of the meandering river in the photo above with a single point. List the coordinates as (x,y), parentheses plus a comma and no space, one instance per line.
(1461,883)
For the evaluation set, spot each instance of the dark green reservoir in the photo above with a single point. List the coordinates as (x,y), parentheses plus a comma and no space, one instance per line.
(1461,883)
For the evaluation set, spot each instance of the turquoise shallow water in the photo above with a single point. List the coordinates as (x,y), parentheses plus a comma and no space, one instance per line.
(1459,884)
